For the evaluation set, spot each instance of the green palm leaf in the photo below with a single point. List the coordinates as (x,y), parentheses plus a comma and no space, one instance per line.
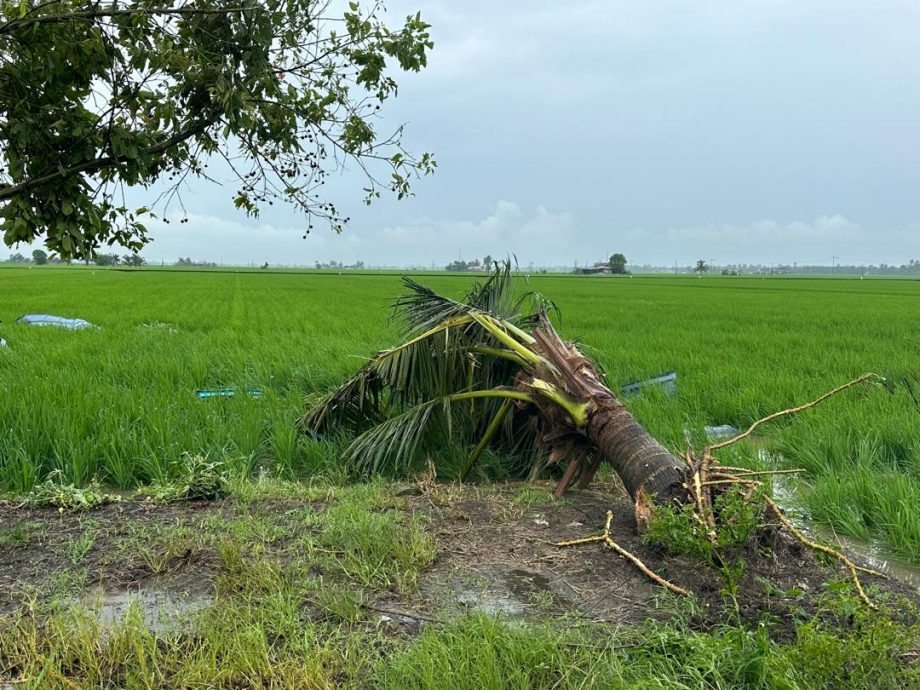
(470,351)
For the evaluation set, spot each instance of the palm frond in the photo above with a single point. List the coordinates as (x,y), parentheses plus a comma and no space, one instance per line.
(354,404)
(497,295)
(421,308)
(392,444)
(470,351)
(450,349)
(399,442)
(423,368)
(446,359)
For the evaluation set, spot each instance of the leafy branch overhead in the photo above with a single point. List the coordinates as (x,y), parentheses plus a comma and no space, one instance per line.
(99,96)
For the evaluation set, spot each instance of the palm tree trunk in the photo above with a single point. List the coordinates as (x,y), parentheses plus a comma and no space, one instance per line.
(640,461)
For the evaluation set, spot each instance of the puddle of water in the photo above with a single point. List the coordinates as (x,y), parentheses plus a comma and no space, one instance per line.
(872,553)
(789,492)
(500,590)
(161,610)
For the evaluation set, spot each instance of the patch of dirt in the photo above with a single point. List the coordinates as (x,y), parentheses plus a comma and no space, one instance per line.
(496,557)
(496,551)
(113,546)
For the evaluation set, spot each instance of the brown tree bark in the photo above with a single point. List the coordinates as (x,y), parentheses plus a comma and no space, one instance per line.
(611,432)
(635,455)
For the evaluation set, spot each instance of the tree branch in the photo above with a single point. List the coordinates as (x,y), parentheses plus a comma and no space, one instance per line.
(99,163)
(10,26)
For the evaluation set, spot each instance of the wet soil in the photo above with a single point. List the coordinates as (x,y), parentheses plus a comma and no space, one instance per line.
(496,549)
(493,564)
(160,609)
(110,548)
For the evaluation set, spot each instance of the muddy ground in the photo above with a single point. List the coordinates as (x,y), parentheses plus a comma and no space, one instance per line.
(496,552)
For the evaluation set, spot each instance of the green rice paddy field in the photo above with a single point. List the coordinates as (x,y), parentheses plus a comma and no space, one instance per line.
(119,404)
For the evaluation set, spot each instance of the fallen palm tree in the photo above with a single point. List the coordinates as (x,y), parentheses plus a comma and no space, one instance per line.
(491,370)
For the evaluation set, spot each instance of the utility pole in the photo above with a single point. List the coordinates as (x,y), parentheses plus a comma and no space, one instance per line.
(834,264)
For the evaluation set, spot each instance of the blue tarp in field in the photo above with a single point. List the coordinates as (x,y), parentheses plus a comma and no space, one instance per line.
(666,381)
(57,321)
(721,431)
(227,393)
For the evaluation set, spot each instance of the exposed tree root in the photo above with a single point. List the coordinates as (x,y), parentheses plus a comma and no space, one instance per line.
(793,410)
(839,555)
(632,558)
(715,475)
(707,479)
(742,473)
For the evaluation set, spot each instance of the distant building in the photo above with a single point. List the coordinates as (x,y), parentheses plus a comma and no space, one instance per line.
(599,267)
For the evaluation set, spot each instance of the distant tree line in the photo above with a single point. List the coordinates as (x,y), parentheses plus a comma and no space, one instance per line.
(338,264)
(41,258)
(911,268)
(460,266)
(133,260)
(615,265)
(187,261)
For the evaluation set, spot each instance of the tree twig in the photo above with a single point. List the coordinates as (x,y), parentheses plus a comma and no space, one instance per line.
(610,543)
(750,473)
(403,614)
(793,410)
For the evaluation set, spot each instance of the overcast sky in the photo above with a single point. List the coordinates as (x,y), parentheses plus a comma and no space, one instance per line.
(738,131)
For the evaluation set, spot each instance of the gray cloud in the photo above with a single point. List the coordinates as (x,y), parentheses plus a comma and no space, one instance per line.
(668,130)
(807,242)
(505,230)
